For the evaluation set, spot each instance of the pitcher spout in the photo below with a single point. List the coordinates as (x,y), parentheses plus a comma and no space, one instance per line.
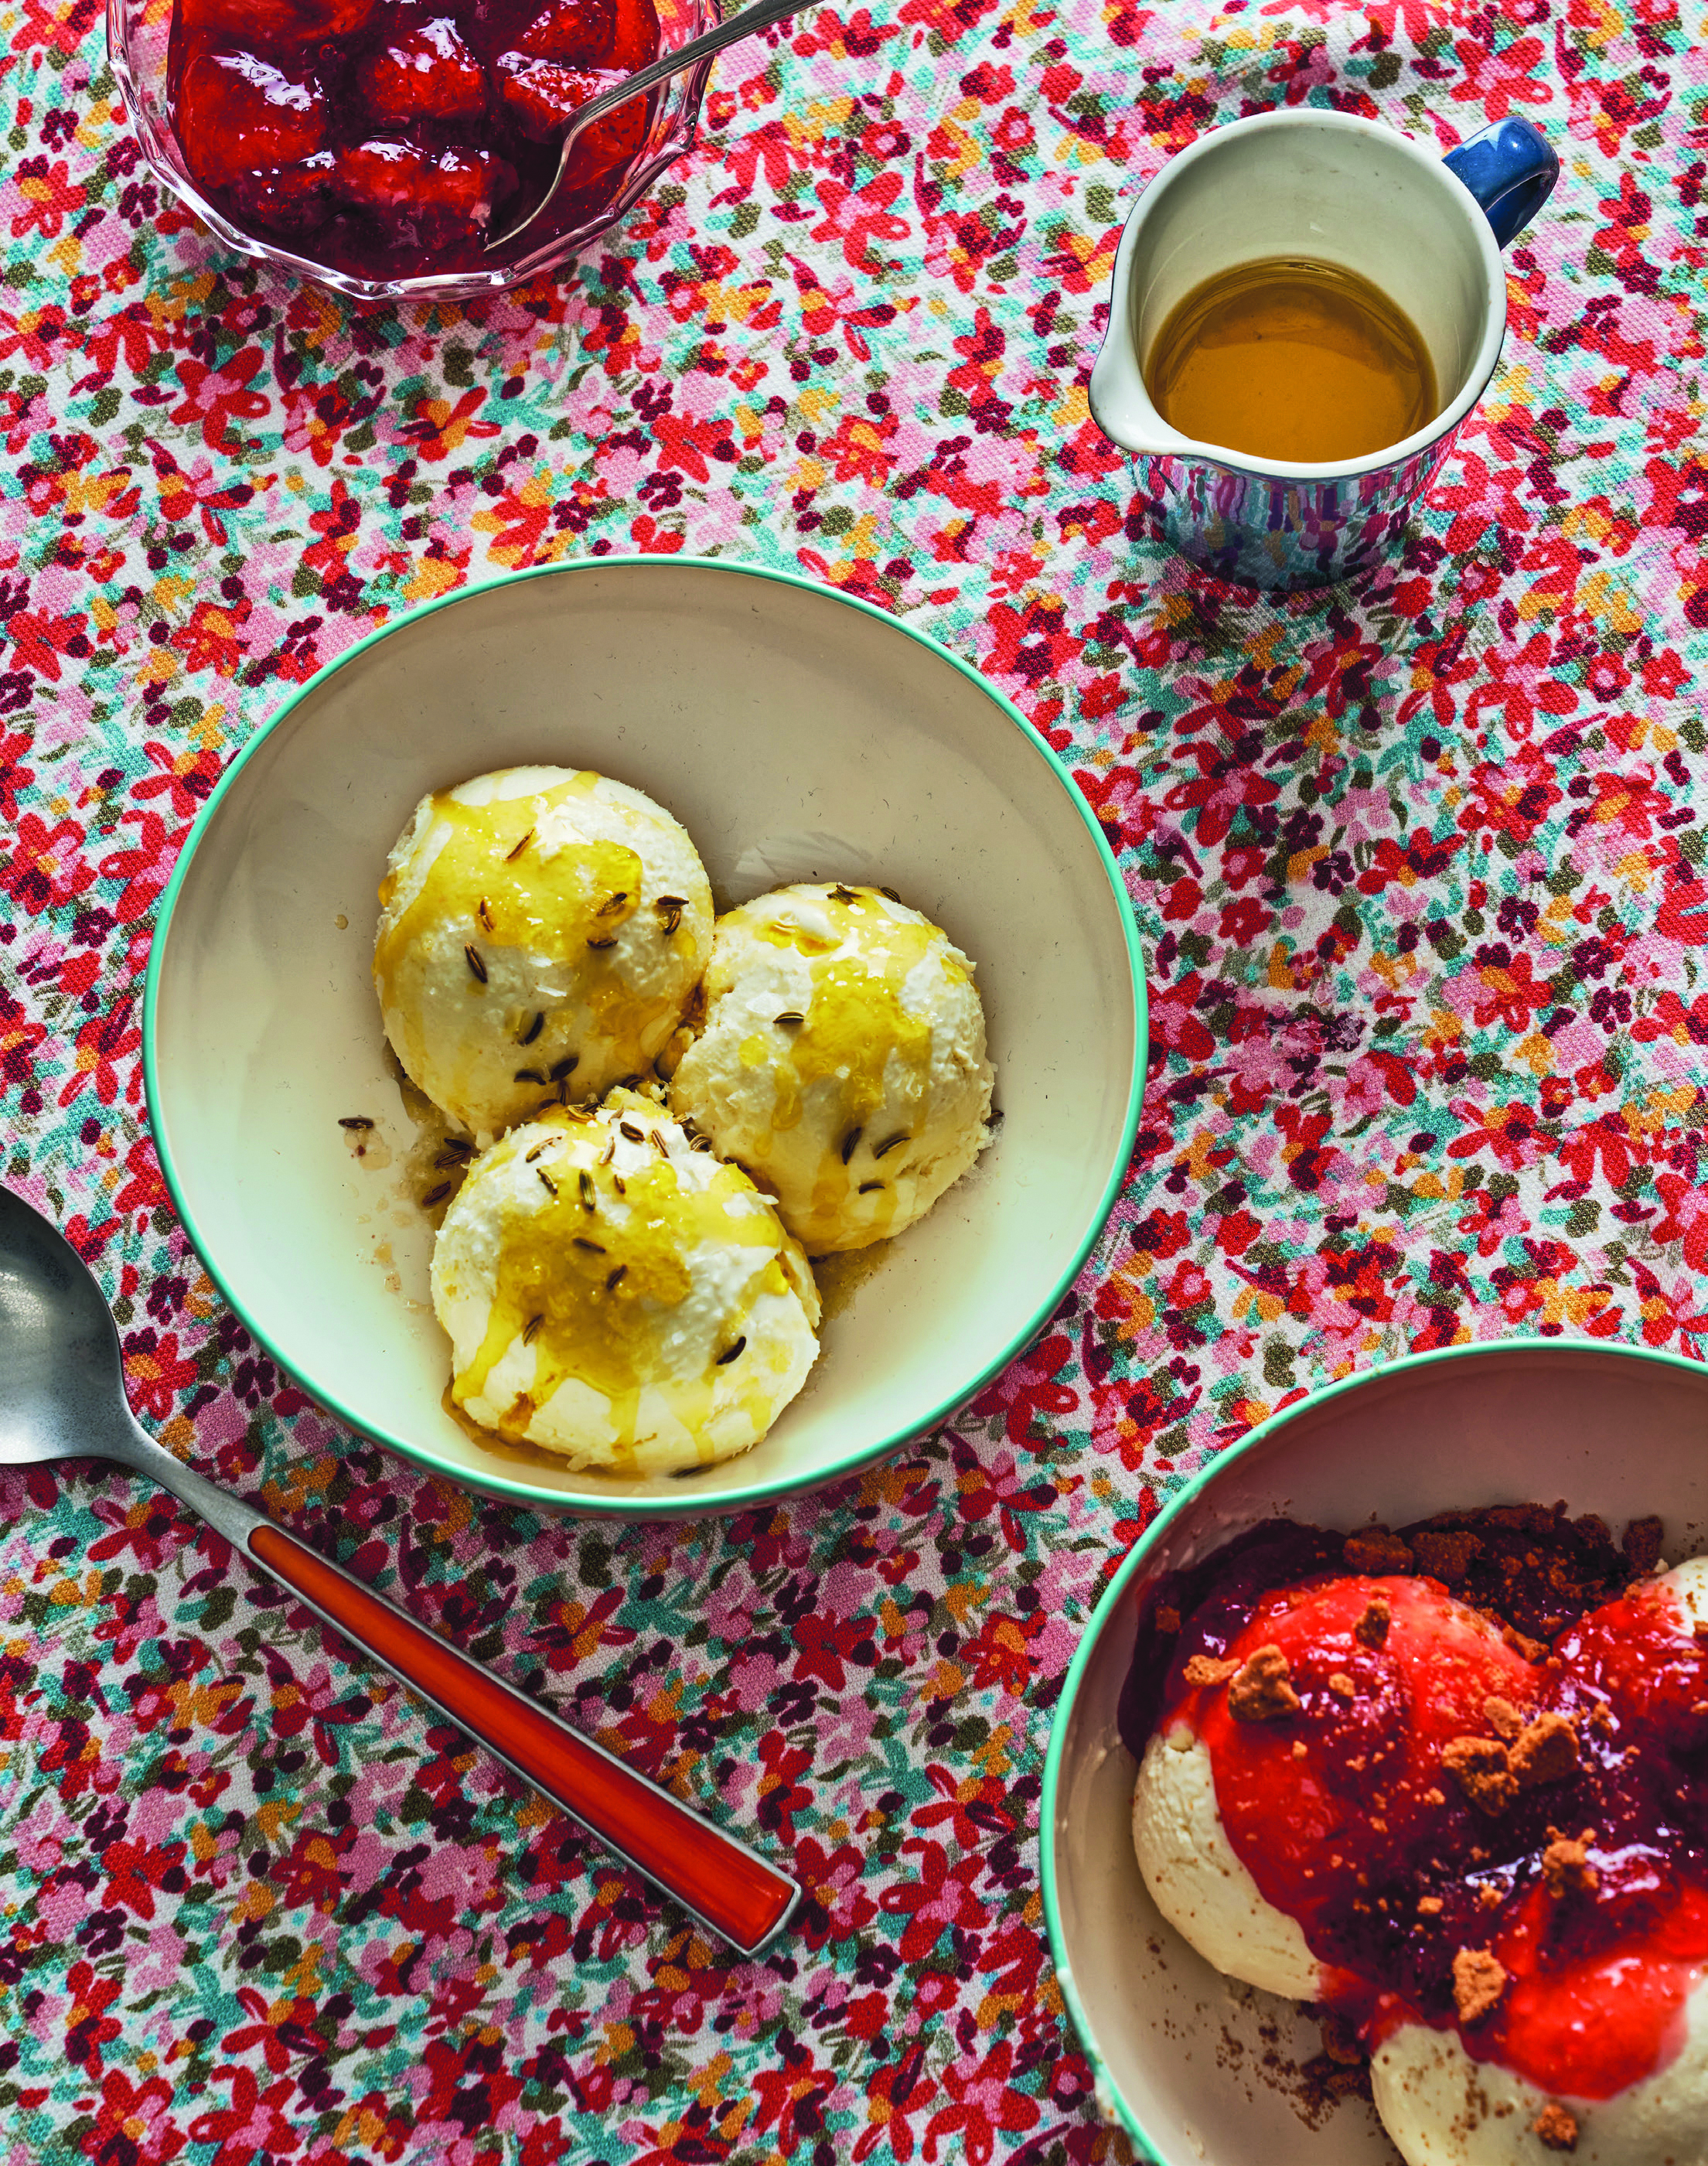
(1121,406)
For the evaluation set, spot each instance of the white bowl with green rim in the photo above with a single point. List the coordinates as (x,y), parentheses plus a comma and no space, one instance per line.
(1198,2070)
(797,734)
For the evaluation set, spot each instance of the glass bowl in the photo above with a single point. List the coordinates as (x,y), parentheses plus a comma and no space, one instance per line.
(137,32)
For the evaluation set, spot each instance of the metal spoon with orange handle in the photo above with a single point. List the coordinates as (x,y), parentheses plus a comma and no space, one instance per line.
(62,1397)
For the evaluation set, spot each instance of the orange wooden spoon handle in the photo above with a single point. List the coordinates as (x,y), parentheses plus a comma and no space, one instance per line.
(718,1878)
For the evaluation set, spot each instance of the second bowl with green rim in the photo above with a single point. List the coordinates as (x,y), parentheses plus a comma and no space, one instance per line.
(1201,2071)
(797,735)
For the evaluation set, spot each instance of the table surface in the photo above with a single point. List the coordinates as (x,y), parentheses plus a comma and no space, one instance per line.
(1418,867)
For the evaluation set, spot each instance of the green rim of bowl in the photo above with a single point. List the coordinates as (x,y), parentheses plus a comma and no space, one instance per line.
(642,1507)
(1108,2095)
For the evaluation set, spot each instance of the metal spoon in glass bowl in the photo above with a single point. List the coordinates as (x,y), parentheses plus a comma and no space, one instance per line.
(62,1397)
(759,17)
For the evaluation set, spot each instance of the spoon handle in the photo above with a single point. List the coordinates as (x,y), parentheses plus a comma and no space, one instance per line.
(760,16)
(712,1876)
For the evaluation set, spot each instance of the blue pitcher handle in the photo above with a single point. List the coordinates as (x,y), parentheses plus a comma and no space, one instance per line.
(1511,168)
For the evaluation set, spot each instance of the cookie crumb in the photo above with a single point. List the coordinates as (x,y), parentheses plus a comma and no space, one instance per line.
(1341,1685)
(1566,1866)
(1206,1669)
(1371,1629)
(1167,1620)
(1481,1768)
(1430,1906)
(1641,1545)
(1261,1692)
(1503,1718)
(1530,1651)
(1339,2042)
(1479,1980)
(1545,1751)
(1375,1549)
(1446,1557)
(1556,2126)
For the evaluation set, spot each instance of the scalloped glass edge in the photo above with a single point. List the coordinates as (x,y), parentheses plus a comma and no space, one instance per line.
(675,127)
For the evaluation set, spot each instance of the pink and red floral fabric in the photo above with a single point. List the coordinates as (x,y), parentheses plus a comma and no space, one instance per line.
(1419,866)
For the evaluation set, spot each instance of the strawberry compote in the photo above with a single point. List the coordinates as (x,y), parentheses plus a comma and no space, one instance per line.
(1470,1759)
(390,139)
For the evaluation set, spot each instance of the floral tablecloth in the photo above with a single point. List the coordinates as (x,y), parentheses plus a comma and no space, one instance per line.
(1419,871)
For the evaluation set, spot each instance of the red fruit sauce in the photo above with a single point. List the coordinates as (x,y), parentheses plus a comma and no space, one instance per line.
(390,139)
(1350,1834)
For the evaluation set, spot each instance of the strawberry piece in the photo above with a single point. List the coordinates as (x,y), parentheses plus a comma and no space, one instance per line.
(636,41)
(289,199)
(239,114)
(539,96)
(579,33)
(274,25)
(422,197)
(426,74)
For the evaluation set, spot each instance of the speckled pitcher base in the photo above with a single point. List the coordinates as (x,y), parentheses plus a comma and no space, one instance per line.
(1282,535)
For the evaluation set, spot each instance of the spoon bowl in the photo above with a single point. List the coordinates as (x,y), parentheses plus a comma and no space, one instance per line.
(694,54)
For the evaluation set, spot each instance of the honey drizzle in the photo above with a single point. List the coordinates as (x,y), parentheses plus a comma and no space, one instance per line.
(855,1035)
(496,878)
(591,1306)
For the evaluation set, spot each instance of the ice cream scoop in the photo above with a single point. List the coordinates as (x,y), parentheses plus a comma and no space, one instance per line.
(1442,2108)
(1604,2047)
(540,934)
(614,1295)
(1339,1765)
(1482,1850)
(842,1060)
(1198,1882)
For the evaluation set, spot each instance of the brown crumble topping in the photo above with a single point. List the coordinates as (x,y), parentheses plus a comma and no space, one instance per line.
(1260,1693)
(1479,1980)
(1545,1751)
(1641,1544)
(1371,1629)
(1340,2043)
(1341,1685)
(1556,2126)
(1206,1669)
(1167,1620)
(1566,1865)
(1488,1895)
(1533,1650)
(1429,1906)
(1481,1768)
(1375,1549)
(1448,1556)
(1502,1717)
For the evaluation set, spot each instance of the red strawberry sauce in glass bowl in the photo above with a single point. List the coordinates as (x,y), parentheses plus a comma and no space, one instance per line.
(342,141)
(390,137)
(1510,1758)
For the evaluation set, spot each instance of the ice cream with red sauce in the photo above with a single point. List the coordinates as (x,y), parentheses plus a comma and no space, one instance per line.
(1450,1785)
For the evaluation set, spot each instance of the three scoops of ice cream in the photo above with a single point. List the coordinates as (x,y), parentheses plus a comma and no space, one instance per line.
(671,1110)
